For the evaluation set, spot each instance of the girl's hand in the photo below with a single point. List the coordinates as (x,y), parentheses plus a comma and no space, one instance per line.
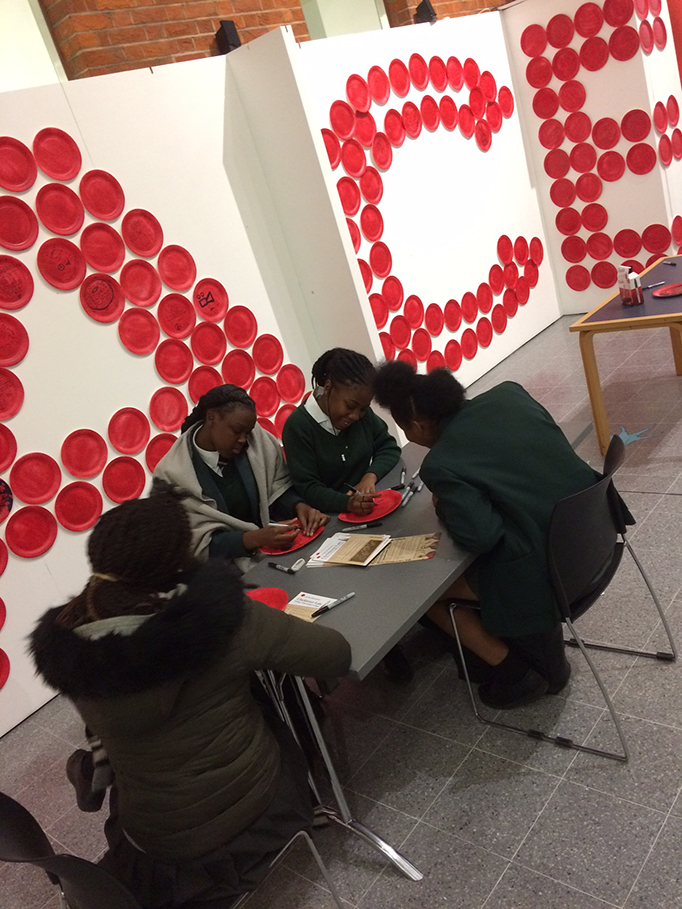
(310,518)
(360,505)
(271,537)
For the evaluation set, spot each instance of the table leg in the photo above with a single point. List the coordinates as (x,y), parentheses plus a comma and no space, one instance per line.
(676,341)
(344,816)
(601,423)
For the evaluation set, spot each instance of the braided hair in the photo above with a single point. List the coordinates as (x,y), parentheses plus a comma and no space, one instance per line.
(222,398)
(343,367)
(136,551)
(409,395)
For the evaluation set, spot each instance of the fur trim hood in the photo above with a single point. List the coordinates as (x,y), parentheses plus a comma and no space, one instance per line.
(182,640)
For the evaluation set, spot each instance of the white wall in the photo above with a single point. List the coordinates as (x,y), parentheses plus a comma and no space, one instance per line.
(27,53)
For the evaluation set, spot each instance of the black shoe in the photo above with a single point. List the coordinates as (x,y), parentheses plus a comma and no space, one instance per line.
(529,688)
(396,666)
(79,771)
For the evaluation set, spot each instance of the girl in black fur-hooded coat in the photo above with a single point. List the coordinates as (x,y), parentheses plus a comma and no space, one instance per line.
(206,787)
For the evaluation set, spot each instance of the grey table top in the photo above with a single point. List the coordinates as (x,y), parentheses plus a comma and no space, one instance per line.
(388,598)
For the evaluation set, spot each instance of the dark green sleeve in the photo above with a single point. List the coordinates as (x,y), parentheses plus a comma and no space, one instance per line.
(227,544)
(299,446)
(386,451)
(284,507)
(466,511)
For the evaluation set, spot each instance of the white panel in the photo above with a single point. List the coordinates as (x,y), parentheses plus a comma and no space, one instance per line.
(25,60)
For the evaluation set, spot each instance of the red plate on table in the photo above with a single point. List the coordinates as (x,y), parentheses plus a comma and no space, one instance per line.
(379,86)
(670,290)
(267,354)
(177,317)
(300,540)
(332,146)
(13,340)
(123,479)
(102,298)
(8,447)
(274,597)
(168,408)
(31,531)
(241,326)
(139,331)
(265,395)
(18,224)
(102,247)
(158,447)
(177,268)
(61,263)
(174,361)
(210,299)
(238,368)
(290,383)
(18,169)
(208,343)
(16,283)
(60,209)
(203,379)
(342,119)
(102,195)
(78,506)
(386,502)
(140,282)
(84,453)
(35,478)
(129,430)
(357,92)
(57,154)
(142,232)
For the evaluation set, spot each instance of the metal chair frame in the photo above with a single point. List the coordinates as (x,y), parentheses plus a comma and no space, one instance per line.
(613,460)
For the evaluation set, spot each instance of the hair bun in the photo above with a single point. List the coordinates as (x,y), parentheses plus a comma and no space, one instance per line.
(395,383)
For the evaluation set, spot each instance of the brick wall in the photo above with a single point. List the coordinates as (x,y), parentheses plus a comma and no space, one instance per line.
(107,36)
(401,12)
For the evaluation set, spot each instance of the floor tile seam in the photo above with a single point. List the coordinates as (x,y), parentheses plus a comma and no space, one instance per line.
(648,855)
(620,798)
(504,757)
(445,785)
(557,880)
(537,818)
(380,875)
(495,886)
(469,842)
(439,735)
(412,817)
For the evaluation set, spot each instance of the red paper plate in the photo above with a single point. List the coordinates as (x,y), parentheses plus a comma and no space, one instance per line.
(16,283)
(498,318)
(665,150)
(560,30)
(299,542)
(618,12)
(531,273)
(522,291)
(123,479)
(505,250)
(290,383)
(660,33)
(434,319)
(588,20)
(102,298)
(438,73)
(624,44)
(431,112)
(168,408)
(484,332)
(488,85)
(673,109)
(271,596)
(566,64)
(3,558)
(35,478)
(378,84)
(78,506)
(3,612)
(496,279)
(142,233)
(203,379)
(594,54)
(414,311)
(349,195)
(382,152)
(604,274)
(483,135)
(421,344)
(177,317)
(436,360)
(365,129)
(551,134)
(545,103)
(412,119)
(386,502)
(400,332)
(606,133)
(139,331)
(8,447)
(611,166)
(18,224)
(31,531)
(394,127)
(208,343)
(129,430)
(521,250)
(268,354)
(173,361)
(676,231)
(84,453)
(578,277)
(642,8)
(660,116)
(392,292)
(18,169)
(102,247)
(380,259)
(583,157)
(399,77)
(371,223)
(646,36)
(533,40)
(627,243)
(641,158)
(493,115)
(573,249)
(670,290)
(210,299)
(572,96)
(141,282)
(484,297)
(655,7)
(588,187)
(379,310)
(506,101)
(332,146)
(419,71)
(366,273)
(265,395)
(59,209)
(453,355)
(57,154)
(158,447)
(452,315)
(539,72)
(469,341)
(342,119)
(61,263)
(656,238)
(636,125)
(568,221)
(283,415)
(241,326)
(511,274)
(177,267)
(102,195)
(472,73)
(594,217)
(371,186)
(537,252)
(353,158)
(13,340)
(599,246)
(357,92)
(477,102)
(354,232)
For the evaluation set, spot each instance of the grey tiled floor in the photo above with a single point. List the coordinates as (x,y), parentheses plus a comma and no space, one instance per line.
(494,821)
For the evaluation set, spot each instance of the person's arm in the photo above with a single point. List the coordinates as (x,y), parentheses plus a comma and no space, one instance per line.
(227,544)
(284,507)
(302,464)
(468,514)
(386,451)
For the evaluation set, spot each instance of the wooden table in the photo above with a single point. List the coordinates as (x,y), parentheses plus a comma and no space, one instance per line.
(612,315)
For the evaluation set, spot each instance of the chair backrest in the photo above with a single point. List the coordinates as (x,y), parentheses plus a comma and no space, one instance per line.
(22,839)
(86,885)
(582,545)
(614,456)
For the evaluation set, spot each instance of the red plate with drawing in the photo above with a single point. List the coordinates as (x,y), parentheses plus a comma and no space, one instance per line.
(78,506)
(142,233)
(210,299)
(177,317)
(61,263)
(177,268)
(102,247)
(140,282)
(386,502)
(35,478)
(102,298)
(16,283)
(300,540)
(129,430)
(57,154)
(670,290)
(168,408)
(13,340)
(139,331)
(102,195)
(18,169)
(271,596)
(18,224)
(31,531)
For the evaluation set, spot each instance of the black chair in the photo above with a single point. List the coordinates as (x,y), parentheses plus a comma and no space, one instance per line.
(586,541)
(81,884)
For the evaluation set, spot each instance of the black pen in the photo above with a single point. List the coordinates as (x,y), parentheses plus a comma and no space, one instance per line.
(649,286)
(365,526)
(281,568)
(331,605)
(674,264)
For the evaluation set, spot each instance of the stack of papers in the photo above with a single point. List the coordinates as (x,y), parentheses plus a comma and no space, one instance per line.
(349,549)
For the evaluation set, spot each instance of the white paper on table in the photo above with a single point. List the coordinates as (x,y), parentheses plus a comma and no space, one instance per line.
(304,605)
(327,549)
